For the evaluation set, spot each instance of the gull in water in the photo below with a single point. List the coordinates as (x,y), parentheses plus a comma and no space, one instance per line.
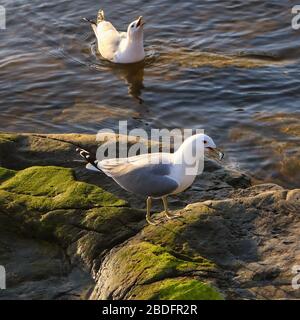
(119,47)
(156,175)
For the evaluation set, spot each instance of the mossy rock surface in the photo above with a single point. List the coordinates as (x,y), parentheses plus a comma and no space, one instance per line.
(48,203)
(177,289)
(50,188)
(153,262)
(208,249)
(149,271)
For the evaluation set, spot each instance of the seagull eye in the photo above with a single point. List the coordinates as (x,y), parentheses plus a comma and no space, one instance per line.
(205,142)
(132,25)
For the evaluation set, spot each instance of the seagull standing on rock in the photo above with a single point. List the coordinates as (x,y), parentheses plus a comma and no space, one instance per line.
(156,175)
(119,47)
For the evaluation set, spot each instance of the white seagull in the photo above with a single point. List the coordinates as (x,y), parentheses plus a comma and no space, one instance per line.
(119,47)
(156,175)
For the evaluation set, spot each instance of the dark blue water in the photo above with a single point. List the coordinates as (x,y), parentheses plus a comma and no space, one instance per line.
(229,67)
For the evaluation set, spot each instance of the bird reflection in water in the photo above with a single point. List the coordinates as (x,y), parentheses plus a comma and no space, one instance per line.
(133,75)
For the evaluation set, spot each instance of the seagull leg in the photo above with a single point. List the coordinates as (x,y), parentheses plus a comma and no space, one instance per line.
(149,203)
(165,202)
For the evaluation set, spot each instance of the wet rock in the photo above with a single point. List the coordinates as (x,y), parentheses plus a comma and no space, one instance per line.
(65,226)
(37,269)
(228,244)
(72,234)
(190,59)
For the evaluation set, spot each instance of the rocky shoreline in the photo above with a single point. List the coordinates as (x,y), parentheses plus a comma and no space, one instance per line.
(67,233)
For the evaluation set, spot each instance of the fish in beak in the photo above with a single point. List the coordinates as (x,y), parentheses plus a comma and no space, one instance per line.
(216,153)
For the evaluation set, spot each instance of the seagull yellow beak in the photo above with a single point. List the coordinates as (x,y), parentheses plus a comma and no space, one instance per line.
(140,22)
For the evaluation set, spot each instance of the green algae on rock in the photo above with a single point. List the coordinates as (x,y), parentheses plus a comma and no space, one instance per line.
(8,137)
(152,262)
(177,289)
(48,203)
(171,235)
(50,188)
(139,264)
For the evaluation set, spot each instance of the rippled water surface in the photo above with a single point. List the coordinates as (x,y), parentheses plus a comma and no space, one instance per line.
(229,67)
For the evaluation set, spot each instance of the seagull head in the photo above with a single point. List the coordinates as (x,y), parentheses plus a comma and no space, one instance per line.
(135,29)
(211,148)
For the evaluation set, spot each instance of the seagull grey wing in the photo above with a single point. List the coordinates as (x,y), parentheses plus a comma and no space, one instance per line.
(141,177)
(151,180)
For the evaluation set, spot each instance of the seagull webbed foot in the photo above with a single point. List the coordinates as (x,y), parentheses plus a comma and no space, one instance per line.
(150,221)
(168,215)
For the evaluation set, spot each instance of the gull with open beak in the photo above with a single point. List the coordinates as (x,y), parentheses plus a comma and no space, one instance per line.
(157,175)
(119,47)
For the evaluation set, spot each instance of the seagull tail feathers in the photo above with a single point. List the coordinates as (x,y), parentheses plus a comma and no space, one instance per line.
(100,16)
(91,160)
(91,167)
(93,23)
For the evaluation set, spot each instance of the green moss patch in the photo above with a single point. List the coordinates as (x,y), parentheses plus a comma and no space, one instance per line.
(51,188)
(177,289)
(172,235)
(8,137)
(48,202)
(148,262)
